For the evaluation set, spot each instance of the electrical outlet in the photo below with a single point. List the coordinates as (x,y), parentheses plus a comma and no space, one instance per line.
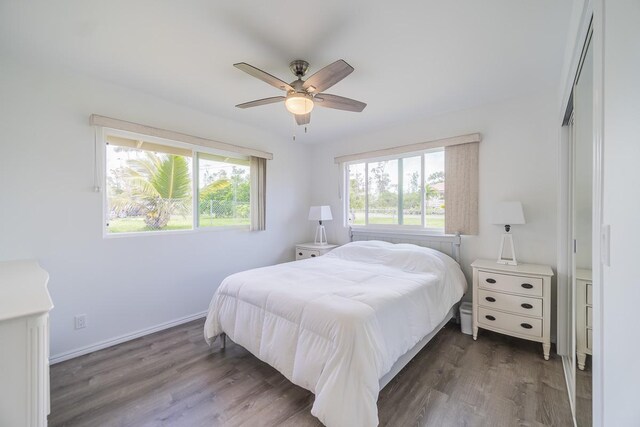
(81,321)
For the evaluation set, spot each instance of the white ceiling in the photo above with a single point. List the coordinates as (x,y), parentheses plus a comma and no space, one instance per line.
(412,59)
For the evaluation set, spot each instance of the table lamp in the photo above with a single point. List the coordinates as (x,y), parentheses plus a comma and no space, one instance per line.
(320,213)
(508,214)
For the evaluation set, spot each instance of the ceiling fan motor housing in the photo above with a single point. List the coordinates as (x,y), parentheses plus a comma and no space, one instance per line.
(299,67)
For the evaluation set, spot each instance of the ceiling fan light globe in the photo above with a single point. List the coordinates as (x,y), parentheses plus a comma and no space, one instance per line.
(299,103)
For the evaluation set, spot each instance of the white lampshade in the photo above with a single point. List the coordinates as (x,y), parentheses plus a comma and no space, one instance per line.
(320,213)
(508,213)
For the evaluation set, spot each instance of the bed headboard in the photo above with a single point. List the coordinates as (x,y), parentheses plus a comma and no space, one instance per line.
(446,243)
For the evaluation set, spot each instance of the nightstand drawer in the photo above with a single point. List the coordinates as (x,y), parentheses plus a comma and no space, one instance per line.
(306,253)
(589,317)
(510,322)
(510,283)
(589,339)
(513,303)
(589,293)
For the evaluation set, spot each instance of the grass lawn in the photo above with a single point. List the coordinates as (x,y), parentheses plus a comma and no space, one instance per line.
(177,222)
(433,221)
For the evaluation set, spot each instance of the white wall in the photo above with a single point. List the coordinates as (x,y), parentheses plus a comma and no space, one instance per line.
(49,212)
(517,162)
(621,210)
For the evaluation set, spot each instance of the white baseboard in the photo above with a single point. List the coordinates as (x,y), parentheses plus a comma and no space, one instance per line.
(61,357)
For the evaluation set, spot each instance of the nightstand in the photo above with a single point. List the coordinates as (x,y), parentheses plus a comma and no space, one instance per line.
(311,250)
(513,300)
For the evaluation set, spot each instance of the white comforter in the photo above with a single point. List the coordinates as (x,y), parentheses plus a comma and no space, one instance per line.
(336,324)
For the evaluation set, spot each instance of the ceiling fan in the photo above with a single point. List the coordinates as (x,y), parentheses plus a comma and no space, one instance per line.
(303,95)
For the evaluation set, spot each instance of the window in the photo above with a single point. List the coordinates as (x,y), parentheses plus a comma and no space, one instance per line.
(224,186)
(404,186)
(151,183)
(434,189)
(405,191)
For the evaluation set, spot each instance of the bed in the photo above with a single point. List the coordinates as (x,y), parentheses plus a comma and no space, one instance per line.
(344,324)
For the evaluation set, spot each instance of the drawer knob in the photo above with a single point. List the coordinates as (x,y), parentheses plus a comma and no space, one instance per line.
(313,255)
(525,305)
(526,325)
(300,253)
(527,285)
(490,299)
(489,317)
(491,280)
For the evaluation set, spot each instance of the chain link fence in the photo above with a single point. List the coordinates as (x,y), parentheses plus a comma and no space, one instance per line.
(225,209)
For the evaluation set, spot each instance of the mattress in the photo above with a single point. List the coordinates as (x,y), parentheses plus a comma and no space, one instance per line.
(336,324)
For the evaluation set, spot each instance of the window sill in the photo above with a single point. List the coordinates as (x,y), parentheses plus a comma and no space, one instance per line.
(399,229)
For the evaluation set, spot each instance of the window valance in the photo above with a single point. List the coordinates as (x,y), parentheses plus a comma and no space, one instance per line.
(108,122)
(411,148)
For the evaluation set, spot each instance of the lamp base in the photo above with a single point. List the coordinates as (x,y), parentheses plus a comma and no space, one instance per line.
(321,236)
(507,240)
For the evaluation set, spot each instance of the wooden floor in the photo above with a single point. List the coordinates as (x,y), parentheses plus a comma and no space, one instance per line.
(171,378)
(583,395)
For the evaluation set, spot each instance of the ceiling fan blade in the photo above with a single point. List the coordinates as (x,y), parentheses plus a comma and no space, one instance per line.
(338,102)
(303,119)
(328,76)
(263,101)
(263,75)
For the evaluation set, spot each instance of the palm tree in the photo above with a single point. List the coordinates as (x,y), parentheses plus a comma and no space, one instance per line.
(430,192)
(160,185)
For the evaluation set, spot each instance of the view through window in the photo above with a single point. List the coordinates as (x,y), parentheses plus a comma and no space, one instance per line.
(223,191)
(407,191)
(150,187)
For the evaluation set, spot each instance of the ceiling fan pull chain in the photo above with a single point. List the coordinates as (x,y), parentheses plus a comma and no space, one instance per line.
(293,128)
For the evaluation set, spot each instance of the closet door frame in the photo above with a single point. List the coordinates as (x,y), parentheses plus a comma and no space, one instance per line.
(599,249)
(591,13)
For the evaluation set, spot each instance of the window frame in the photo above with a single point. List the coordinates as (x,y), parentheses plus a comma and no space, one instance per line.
(419,229)
(102,143)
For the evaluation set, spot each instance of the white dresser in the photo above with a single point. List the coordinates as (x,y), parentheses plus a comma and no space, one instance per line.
(311,250)
(584,316)
(24,344)
(513,300)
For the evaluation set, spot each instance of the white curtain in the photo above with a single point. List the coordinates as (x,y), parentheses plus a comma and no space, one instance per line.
(258,190)
(461,191)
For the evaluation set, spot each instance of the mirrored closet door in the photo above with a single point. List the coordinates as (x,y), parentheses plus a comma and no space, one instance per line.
(582,147)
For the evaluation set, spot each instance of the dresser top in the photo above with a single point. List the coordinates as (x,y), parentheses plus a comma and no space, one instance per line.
(534,269)
(583,274)
(23,289)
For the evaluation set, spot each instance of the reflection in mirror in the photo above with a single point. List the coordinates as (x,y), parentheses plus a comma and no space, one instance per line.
(582,231)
